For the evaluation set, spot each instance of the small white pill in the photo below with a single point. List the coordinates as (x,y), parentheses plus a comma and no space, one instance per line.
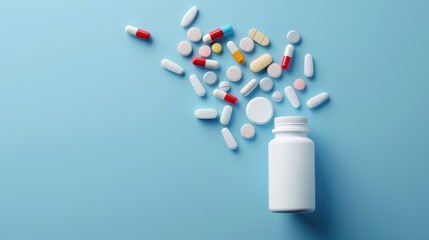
(266,84)
(205,113)
(184,48)
(317,100)
(277,96)
(210,78)
(293,37)
(226,115)
(274,70)
(229,139)
(247,44)
(259,110)
(247,131)
(194,34)
(292,97)
(249,87)
(196,84)
(234,74)
(172,66)
(224,86)
(189,16)
(308,65)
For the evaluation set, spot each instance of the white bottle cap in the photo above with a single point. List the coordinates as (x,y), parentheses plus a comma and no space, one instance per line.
(290,124)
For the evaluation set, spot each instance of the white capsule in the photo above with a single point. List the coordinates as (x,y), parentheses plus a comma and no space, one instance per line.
(277,96)
(224,86)
(196,84)
(172,66)
(229,139)
(226,115)
(184,48)
(234,73)
(266,84)
(308,65)
(205,113)
(317,100)
(274,70)
(210,78)
(189,16)
(247,131)
(249,87)
(292,97)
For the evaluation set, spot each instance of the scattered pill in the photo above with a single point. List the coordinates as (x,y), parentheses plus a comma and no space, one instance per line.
(205,51)
(247,131)
(259,110)
(229,139)
(137,32)
(172,66)
(217,48)
(259,37)
(293,37)
(196,84)
(249,87)
(299,84)
(261,62)
(308,65)
(222,95)
(247,44)
(277,96)
(189,16)
(274,70)
(234,74)
(184,48)
(236,54)
(217,34)
(317,100)
(205,113)
(292,97)
(224,86)
(207,63)
(266,84)
(194,34)
(287,56)
(210,78)
(226,115)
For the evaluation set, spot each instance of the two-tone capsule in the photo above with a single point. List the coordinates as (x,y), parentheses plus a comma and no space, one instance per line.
(225,96)
(217,34)
(137,32)
(207,63)
(236,54)
(287,56)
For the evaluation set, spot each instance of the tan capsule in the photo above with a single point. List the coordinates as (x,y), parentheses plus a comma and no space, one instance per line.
(261,62)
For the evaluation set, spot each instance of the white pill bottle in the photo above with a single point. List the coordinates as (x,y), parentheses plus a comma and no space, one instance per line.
(291,176)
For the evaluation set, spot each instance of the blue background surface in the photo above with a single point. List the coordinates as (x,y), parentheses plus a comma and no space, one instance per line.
(97,141)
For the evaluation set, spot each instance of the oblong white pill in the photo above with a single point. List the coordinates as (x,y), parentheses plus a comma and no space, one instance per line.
(293,37)
(308,65)
(259,110)
(229,139)
(277,96)
(266,84)
(205,113)
(249,87)
(224,86)
(274,70)
(234,73)
(172,66)
(196,84)
(189,16)
(247,44)
(210,78)
(226,115)
(292,97)
(247,131)
(194,34)
(317,100)
(184,48)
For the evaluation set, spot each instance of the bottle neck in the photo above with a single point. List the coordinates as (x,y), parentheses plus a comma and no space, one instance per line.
(291,134)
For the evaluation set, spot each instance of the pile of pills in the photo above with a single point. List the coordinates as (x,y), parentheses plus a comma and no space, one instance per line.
(259,110)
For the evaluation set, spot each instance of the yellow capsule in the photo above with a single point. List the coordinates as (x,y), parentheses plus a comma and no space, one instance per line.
(238,56)
(217,48)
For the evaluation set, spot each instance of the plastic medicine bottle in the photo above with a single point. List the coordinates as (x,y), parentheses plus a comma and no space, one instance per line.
(291,180)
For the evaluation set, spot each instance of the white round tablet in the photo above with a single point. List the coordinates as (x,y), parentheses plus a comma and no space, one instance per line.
(277,96)
(234,74)
(274,70)
(247,44)
(224,86)
(293,37)
(259,110)
(247,131)
(266,84)
(210,78)
(184,48)
(194,34)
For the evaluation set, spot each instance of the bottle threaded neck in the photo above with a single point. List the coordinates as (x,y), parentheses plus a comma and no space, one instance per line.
(290,124)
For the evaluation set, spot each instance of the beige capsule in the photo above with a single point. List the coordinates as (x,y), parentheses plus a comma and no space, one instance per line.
(261,62)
